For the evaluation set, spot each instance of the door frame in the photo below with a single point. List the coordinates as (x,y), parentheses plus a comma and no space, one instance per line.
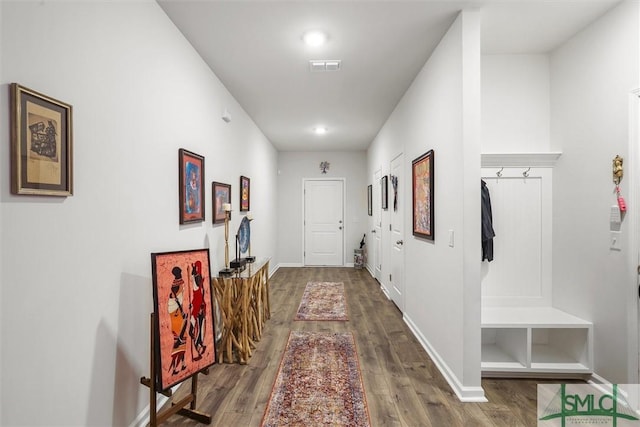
(377,215)
(344,222)
(401,218)
(634,235)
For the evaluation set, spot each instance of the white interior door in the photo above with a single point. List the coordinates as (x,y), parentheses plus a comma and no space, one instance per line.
(377,225)
(324,222)
(396,204)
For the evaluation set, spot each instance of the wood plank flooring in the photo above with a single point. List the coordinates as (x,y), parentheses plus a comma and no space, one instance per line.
(402,384)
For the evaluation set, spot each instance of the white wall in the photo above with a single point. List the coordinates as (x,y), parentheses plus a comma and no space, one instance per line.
(292,168)
(441,111)
(4,124)
(516,119)
(591,77)
(515,103)
(76,275)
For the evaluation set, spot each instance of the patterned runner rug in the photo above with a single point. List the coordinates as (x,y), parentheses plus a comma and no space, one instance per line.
(323,301)
(318,383)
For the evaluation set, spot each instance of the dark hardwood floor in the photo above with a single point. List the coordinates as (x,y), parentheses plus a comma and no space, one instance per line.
(402,384)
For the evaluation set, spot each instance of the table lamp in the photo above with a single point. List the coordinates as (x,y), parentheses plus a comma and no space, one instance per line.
(226,271)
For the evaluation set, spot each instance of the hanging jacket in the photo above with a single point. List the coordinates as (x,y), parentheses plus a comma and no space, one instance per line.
(487,223)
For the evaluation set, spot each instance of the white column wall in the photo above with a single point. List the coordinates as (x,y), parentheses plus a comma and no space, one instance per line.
(75,274)
(292,168)
(515,103)
(441,111)
(4,124)
(591,77)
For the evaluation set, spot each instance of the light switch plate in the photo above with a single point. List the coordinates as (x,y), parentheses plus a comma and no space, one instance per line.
(614,240)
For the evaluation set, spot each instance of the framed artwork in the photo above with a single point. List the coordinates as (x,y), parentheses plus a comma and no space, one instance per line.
(183,304)
(384,185)
(245,194)
(221,193)
(191,187)
(41,144)
(370,200)
(422,183)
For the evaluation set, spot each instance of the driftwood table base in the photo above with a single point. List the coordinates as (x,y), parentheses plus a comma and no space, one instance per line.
(243,301)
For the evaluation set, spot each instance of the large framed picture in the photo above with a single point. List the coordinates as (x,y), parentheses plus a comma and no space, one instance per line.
(370,200)
(384,186)
(221,194)
(245,194)
(183,305)
(41,144)
(422,183)
(191,186)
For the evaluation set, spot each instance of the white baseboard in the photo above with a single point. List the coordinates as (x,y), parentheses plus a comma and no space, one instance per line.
(370,271)
(289,264)
(597,379)
(465,394)
(385,291)
(144,417)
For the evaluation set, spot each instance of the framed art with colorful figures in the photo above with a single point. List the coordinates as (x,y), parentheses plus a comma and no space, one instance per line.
(183,304)
(245,194)
(221,194)
(191,186)
(422,183)
(41,144)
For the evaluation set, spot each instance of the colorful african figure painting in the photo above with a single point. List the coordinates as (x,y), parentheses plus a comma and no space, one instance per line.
(184,332)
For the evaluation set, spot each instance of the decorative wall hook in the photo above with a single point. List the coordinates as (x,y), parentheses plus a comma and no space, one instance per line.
(618,170)
(499,173)
(526,173)
(324,166)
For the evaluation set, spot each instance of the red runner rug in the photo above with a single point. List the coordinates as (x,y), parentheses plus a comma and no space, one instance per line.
(323,301)
(318,383)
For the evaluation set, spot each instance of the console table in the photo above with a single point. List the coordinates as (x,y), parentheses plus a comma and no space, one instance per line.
(243,301)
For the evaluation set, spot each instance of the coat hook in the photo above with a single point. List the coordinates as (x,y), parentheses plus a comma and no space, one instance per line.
(526,173)
(499,173)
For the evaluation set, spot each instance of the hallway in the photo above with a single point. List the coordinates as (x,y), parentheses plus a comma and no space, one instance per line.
(402,385)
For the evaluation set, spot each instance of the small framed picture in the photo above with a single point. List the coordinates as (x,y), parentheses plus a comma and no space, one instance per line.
(41,144)
(245,194)
(191,186)
(221,194)
(370,200)
(422,183)
(384,185)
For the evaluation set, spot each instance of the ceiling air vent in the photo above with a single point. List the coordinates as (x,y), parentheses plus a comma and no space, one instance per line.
(320,65)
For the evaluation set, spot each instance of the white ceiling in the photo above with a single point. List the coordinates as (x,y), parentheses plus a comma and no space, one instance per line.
(255,49)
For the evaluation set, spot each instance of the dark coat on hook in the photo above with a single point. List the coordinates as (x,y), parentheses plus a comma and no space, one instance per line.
(487,224)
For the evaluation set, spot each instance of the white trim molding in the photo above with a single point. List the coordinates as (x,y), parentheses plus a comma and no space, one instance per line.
(515,160)
(465,394)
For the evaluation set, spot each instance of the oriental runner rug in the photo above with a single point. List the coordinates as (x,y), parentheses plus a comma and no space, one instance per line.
(323,301)
(318,383)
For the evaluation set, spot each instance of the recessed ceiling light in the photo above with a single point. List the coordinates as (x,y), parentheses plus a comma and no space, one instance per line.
(320,130)
(314,38)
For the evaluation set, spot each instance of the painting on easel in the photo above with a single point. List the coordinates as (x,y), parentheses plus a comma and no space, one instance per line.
(183,304)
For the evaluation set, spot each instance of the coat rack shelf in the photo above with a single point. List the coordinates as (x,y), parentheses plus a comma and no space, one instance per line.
(535,160)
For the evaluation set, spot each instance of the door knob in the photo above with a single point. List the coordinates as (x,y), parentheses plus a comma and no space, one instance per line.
(340,222)
(399,242)
(340,228)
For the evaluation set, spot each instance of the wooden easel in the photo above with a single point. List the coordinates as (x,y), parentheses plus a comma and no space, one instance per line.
(179,407)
